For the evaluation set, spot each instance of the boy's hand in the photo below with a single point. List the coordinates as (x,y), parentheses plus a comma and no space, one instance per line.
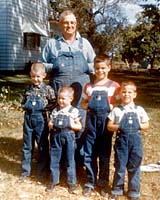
(50,124)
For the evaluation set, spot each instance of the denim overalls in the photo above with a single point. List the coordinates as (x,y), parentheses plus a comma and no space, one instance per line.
(128,155)
(98,140)
(35,129)
(70,68)
(62,138)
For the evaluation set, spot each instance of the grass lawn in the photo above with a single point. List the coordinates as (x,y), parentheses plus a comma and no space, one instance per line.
(11,120)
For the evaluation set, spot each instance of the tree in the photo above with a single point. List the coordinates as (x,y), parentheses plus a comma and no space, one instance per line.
(143,40)
(99,21)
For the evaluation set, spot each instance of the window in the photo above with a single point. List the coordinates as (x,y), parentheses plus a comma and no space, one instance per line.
(31,41)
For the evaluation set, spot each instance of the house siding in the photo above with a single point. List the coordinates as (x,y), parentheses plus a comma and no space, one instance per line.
(12,14)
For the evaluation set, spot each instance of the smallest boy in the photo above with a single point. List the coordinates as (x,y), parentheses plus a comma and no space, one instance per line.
(38,98)
(127,120)
(64,121)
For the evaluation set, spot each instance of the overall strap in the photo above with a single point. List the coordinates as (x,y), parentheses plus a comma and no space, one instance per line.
(70,109)
(135,106)
(109,83)
(120,107)
(58,45)
(81,43)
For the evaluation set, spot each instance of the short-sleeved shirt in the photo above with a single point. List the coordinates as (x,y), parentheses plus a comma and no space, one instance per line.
(117,113)
(70,111)
(111,87)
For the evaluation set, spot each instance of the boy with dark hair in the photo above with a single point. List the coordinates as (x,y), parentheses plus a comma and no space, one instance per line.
(98,99)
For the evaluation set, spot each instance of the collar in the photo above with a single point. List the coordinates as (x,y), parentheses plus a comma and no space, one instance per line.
(60,37)
(37,86)
(66,109)
(129,107)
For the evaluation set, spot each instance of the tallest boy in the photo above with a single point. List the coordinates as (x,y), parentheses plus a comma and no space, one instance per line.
(69,57)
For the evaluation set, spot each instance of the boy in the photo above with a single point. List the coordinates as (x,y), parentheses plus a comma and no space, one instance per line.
(37,99)
(64,121)
(127,120)
(98,99)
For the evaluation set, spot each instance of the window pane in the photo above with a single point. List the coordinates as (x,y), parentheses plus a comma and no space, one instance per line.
(31,41)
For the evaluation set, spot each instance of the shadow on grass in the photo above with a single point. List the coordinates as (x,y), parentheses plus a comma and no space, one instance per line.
(11,155)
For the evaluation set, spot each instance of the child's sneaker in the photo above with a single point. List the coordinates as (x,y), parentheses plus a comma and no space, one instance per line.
(22,179)
(50,188)
(72,189)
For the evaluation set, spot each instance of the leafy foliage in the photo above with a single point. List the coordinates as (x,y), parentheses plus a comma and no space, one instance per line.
(143,40)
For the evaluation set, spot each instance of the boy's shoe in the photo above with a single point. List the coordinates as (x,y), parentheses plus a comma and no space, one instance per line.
(104,191)
(134,198)
(113,197)
(22,179)
(87,191)
(72,189)
(50,188)
(40,180)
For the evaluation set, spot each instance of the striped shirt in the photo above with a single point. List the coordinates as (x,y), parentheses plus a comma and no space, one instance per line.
(111,87)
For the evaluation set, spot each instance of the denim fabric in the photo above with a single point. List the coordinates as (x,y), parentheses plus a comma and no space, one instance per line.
(98,141)
(34,103)
(63,139)
(128,155)
(99,102)
(70,68)
(35,129)
(62,121)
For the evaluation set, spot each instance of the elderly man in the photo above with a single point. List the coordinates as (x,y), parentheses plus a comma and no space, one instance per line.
(69,58)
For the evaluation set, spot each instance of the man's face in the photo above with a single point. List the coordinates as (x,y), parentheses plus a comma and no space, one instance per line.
(68,25)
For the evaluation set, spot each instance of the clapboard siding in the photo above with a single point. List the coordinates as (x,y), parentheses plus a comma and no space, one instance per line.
(12,14)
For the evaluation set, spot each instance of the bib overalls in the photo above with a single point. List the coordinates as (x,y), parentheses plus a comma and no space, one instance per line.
(98,140)
(70,69)
(35,129)
(62,138)
(128,155)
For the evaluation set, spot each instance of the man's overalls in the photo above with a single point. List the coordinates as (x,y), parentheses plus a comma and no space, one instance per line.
(71,69)
(62,137)
(128,155)
(98,140)
(35,129)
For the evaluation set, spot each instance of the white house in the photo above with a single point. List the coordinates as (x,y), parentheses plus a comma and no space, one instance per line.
(24,29)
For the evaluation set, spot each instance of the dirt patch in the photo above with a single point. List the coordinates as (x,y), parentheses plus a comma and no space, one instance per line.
(11,120)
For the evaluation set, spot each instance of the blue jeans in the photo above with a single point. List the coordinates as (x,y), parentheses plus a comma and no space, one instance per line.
(60,140)
(35,129)
(98,143)
(128,155)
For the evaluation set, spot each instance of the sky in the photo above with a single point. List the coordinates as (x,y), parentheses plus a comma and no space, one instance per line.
(130,10)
